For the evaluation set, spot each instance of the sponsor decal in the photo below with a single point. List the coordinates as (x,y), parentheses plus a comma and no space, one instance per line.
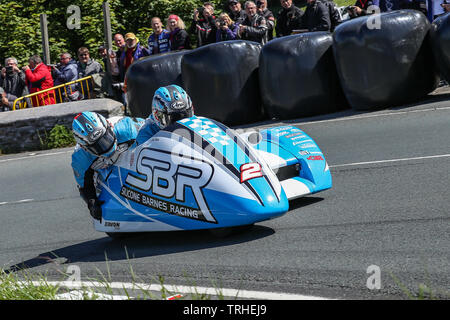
(115,225)
(283,133)
(299,137)
(170,175)
(294,134)
(178,105)
(304,152)
(250,171)
(163,205)
(307,145)
(315,158)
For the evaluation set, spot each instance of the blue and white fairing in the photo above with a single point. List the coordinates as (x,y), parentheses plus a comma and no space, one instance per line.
(199,174)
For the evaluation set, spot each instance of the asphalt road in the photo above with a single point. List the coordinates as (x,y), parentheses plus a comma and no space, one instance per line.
(389,208)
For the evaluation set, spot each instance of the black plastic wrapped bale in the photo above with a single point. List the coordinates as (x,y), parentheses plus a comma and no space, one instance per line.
(389,66)
(298,76)
(222,80)
(440,38)
(145,76)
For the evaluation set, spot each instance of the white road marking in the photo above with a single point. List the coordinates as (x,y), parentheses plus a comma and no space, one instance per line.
(234,293)
(357,117)
(34,155)
(391,160)
(15,202)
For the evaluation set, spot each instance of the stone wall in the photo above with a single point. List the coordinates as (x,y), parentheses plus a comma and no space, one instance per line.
(22,130)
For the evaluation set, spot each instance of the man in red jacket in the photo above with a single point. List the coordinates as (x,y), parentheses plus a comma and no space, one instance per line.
(39,77)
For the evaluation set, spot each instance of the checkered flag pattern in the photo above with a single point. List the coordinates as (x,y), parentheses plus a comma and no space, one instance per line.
(207,130)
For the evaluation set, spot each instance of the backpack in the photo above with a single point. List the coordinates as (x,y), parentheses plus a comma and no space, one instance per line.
(335,16)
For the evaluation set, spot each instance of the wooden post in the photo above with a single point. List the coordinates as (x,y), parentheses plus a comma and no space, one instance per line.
(44,34)
(107,30)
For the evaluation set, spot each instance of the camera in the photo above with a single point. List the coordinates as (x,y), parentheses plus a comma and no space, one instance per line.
(9,69)
(258,4)
(222,23)
(350,10)
(200,10)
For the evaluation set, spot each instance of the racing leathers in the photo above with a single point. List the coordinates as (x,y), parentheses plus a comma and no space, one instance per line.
(85,164)
(148,130)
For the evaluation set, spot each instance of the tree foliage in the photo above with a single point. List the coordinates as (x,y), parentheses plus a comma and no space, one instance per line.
(20,32)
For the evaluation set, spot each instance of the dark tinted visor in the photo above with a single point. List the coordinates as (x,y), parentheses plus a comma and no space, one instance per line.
(103,144)
(168,119)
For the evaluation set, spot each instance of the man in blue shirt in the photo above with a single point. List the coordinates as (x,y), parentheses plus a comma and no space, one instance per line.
(158,42)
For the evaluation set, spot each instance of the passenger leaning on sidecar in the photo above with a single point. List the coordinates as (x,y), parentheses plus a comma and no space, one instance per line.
(100,142)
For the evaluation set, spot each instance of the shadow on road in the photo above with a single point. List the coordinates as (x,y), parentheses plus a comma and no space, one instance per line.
(141,245)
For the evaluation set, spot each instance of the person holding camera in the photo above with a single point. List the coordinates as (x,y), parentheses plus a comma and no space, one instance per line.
(254,27)
(65,71)
(13,82)
(204,24)
(227,29)
(261,5)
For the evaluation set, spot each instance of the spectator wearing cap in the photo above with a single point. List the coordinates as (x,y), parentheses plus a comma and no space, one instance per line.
(179,38)
(235,11)
(133,52)
(39,78)
(204,25)
(158,42)
(13,82)
(289,18)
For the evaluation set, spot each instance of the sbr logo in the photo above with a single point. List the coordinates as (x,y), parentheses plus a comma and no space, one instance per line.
(158,173)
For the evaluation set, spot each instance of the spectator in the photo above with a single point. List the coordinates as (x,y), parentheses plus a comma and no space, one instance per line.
(254,27)
(289,19)
(119,41)
(133,52)
(440,7)
(227,29)
(389,5)
(316,17)
(158,42)
(268,15)
(87,67)
(235,11)
(204,25)
(39,78)
(13,82)
(5,101)
(179,38)
(359,9)
(65,72)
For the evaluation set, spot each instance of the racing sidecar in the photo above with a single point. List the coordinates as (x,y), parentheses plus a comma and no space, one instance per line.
(200,174)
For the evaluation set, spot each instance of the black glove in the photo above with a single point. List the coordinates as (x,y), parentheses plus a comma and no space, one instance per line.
(95,208)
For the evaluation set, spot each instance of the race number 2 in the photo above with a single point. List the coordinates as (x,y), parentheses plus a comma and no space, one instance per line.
(250,171)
